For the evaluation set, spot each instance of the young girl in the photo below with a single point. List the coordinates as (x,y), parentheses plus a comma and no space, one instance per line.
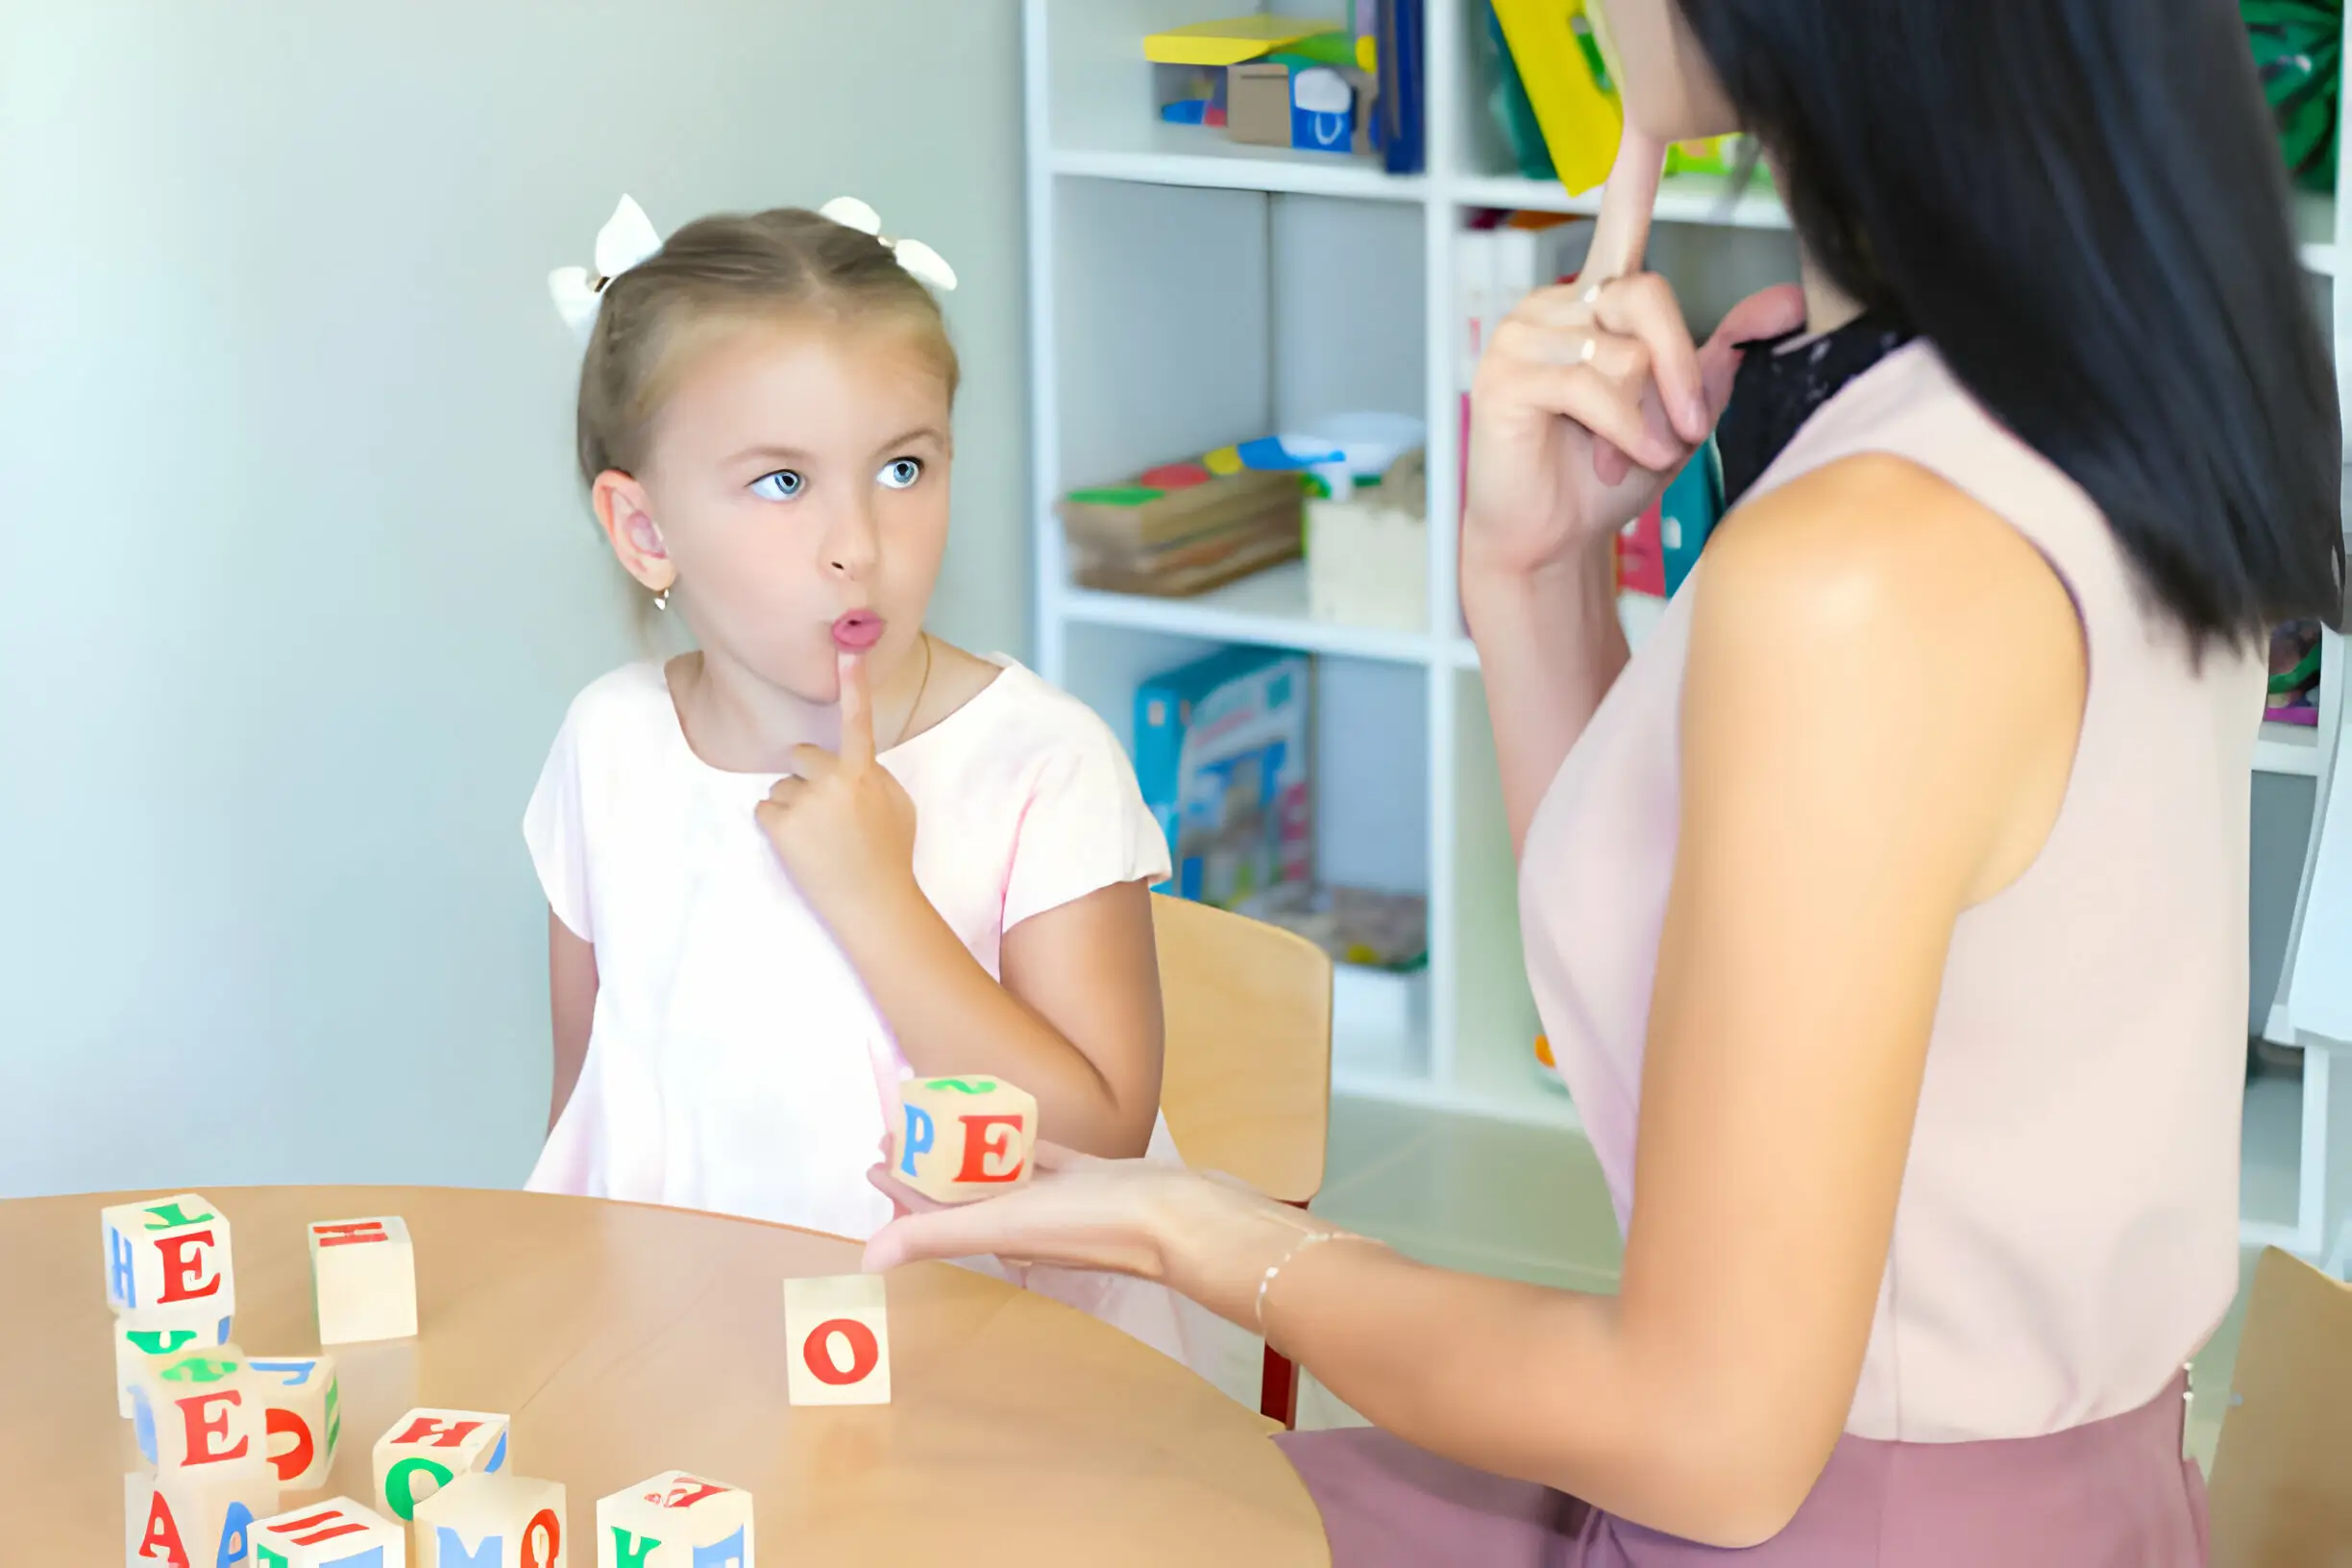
(827,849)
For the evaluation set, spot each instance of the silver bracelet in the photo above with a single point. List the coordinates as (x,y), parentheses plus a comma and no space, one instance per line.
(1266,1281)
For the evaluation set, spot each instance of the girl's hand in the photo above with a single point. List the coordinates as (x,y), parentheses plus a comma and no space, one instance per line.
(843,826)
(1591,395)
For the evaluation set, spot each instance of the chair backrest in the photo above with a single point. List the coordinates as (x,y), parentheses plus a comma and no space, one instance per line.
(2282,1474)
(1246,1086)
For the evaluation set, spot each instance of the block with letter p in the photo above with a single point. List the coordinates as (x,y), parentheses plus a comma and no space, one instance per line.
(169,1254)
(961,1138)
(363,1275)
(336,1533)
(196,1518)
(675,1520)
(302,1417)
(502,1521)
(426,1449)
(198,1408)
(837,1337)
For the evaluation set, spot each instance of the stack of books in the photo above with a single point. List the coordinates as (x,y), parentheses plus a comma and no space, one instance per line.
(1183,529)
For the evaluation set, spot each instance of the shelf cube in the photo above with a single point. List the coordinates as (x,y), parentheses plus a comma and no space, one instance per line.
(838,1331)
(140,1335)
(336,1533)
(171,1253)
(197,1409)
(196,1517)
(961,1138)
(363,1278)
(426,1449)
(674,1520)
(486,1521)
(302,1417)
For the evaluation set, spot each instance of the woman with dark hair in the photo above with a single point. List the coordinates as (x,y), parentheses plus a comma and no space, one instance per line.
(1888,912)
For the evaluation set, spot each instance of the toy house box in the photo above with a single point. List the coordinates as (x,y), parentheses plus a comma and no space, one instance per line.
(1221,752)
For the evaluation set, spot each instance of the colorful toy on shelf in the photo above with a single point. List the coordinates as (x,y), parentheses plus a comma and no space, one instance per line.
(1296,101)
(1233,41)
(1221,752)
(2293,697)
(1550,41)
(1198,100)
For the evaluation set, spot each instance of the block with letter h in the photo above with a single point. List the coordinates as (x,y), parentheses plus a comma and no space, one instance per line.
(301,1417)
(486,1521)
(200,1518)
(426,1449)
(837,1332)
(198,1408)
(363,1275)
(170,1255)
(139,1337)
(674,1520)
(336,1533)
(961,1138)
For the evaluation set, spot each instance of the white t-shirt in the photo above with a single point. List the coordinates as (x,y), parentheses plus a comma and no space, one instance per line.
(735,1062)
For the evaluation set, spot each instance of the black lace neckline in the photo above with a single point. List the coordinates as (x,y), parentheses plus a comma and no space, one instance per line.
(1782,381)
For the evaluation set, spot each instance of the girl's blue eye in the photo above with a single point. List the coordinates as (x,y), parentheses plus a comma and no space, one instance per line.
(901,474)
(782,485)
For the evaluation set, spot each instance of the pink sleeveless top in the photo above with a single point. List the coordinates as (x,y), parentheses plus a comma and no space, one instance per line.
(2067,1234)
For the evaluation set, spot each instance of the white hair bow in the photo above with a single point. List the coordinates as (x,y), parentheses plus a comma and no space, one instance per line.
(626,238)
(914,255)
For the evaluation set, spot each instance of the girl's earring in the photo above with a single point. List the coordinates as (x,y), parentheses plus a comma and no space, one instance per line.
(661,601)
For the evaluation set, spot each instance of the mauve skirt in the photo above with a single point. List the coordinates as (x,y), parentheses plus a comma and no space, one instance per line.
(2113,1494)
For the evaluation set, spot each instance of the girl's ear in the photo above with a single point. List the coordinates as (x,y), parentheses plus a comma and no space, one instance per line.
(625,512)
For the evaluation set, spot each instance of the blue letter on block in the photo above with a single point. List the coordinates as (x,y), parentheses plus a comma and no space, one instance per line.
(142,1417)
(284,1370)
(729,1552)
(372,1557)
(122,1281)
(234,1532)
(498,1456)
(917,1141)
(453,1555)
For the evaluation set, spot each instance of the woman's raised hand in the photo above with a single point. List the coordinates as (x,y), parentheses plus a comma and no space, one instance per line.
(1592,394)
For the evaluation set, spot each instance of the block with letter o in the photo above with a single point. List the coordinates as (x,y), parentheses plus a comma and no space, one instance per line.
(837,1333)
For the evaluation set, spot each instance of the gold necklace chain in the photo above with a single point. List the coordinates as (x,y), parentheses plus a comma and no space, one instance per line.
(915,707)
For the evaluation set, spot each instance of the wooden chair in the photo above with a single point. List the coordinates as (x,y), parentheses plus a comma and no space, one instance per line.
(2282,1473)
(1246,1084)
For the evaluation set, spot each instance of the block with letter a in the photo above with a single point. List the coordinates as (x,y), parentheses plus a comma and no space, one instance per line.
(198,1408)
(837,1338)
(500,1521)
(336,1533)
(196,1518)
(426,1449)
(961,1138)
(141,1335)
(676,1519)
(302,1417)
(363,1275)
(170,1254)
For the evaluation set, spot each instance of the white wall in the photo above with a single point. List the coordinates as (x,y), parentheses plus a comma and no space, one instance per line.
(298,578)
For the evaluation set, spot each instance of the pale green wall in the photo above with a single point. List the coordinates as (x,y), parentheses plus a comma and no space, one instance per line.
(298,580)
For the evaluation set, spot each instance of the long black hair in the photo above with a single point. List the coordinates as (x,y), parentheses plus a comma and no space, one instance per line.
(2083,205)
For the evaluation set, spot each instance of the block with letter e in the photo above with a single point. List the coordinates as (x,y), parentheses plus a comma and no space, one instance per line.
(363,1275)
(336,1533)
(198,1408)
(500,1521)
(139,1337)
(196,1518)
(171,1255)
(675,1520)
(426,1449)
(302,1417)
(837,1337)
(961,1138)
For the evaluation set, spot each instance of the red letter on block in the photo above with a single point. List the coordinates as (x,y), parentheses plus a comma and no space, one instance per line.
(180,1272)
(297,1458)
(542,1537)
(323,1528)
(864,1352)
(440,1434)
(207,1426)
(984,1138)
(347,1236)
(682,1498)
(161,1540)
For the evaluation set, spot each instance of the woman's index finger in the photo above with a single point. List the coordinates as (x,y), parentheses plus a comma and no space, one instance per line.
(1622,233)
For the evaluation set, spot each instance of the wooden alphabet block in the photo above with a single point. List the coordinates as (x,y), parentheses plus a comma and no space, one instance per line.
(170,1253)
(363,1278)
(140,1336)
(485,1521)
(198,1408)
(961,1138)
(196,1518)
(302,1417)
(336,1533)
(674,1520)
(426,1449)
(837,1334)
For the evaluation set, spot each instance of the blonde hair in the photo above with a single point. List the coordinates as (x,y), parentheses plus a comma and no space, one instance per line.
(721,270)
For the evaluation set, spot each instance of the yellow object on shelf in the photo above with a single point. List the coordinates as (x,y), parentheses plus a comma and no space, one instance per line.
(1230,42)
(1581,124)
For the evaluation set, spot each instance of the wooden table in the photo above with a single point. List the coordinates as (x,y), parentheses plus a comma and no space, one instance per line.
(626,1340)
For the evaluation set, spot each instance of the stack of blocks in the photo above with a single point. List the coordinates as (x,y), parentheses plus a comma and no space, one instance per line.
(221,1432)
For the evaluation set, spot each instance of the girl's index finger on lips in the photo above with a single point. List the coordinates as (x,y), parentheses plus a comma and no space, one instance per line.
(1621,233)
(857,737)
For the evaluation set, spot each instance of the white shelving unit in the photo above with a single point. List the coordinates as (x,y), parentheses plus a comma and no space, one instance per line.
(1187,292)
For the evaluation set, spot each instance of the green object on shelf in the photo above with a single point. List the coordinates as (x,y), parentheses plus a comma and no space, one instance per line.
(2298,50)
(2305,671)
(1513,113)
(1116,495)
(1337,50)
